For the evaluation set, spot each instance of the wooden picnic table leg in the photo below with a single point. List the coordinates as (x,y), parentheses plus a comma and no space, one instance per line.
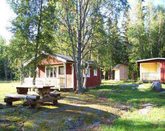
(47,96)
(55,102)
(8,102)
(22,90)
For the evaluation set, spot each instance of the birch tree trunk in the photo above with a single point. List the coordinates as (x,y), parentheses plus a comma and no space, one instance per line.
(85,76)
(37,42)
(78,19)
(22,73)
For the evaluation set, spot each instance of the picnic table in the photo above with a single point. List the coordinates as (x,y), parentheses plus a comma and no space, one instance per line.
(42,90)
(41,94)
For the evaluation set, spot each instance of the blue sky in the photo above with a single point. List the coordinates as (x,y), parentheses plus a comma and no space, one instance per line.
(6,15)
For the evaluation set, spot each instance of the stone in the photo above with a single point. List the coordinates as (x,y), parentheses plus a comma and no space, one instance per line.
(129,85)
(162,93)
(94,126)
(147,105)
(156,86)
(1,106)
(146,108)
(144,111)
(72,124)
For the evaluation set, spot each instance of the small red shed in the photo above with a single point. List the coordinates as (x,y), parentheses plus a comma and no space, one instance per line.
(58,70)
(152,69)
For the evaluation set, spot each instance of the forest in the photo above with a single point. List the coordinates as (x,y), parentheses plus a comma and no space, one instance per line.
(108,32)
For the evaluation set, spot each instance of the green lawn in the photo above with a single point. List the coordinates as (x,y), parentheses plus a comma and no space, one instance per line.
(6,88)
(113,106)
(139,116)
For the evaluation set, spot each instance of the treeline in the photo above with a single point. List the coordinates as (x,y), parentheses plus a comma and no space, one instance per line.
(107,31)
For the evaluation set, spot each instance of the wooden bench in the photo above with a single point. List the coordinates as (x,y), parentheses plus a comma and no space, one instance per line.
(55,97)
(29,99)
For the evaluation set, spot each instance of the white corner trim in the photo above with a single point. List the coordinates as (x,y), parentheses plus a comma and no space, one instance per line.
(65,75)
(94,72)
(141,72)
(73,76)
(88,74)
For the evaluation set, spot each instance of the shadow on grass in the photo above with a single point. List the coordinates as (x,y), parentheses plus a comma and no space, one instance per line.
(47,117)
(128,95)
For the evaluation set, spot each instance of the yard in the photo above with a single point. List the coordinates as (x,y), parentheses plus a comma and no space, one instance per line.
(112,106)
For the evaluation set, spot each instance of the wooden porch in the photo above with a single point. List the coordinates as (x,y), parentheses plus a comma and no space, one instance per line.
(150,76)
(58,83)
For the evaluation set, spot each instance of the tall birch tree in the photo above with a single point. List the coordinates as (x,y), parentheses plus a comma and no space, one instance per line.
(33,27)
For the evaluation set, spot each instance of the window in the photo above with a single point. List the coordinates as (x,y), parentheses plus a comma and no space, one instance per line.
(95,72)
(50,71)
(47,71)
(54,71)
(88,72)
(61,70)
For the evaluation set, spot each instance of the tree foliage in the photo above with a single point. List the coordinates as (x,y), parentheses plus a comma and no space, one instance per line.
(33,29)
(6,72)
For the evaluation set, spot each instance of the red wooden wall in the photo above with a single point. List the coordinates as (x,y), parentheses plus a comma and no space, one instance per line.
(41,71)
(92,81)
(162,71)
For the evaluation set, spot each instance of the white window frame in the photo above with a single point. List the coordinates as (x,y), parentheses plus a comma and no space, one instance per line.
(63,70)
(53,67)
(94,72)
(88,72)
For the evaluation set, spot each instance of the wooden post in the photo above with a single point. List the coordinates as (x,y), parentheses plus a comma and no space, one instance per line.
(65,75)
(141,72)
(73,76)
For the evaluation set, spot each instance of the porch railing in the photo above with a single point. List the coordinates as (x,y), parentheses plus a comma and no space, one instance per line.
(56,82)
(150,76)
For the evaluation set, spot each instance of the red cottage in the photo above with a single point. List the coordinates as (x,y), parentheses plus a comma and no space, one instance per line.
(152,69)
(58,70)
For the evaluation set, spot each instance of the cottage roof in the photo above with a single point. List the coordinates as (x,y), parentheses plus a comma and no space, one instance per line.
(60,57)
(151,59)
(117,66)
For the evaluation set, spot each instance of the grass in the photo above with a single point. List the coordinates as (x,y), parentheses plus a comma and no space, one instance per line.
(129,95)
(6,88)
(112,106)
(135,99)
